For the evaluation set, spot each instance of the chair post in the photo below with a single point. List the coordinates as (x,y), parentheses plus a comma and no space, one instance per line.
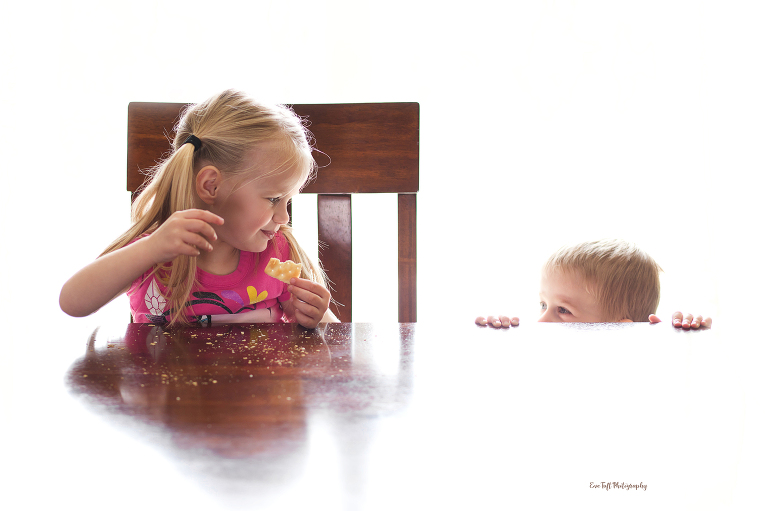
(334,231)
(406,257)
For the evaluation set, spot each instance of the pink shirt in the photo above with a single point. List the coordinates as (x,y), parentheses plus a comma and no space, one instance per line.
(247,288)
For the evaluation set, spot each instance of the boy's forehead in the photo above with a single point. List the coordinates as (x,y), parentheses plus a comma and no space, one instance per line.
(566,285)
(564,273)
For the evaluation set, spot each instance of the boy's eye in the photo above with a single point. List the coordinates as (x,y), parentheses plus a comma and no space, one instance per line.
(274,200)
(560,310)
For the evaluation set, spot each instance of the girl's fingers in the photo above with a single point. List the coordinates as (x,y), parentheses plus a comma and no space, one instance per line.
(201,214)
(200,227)
(677,319)
(310,301)
(707,323)
(306,321)
(197,241)
(309,309)
(480,320)
(195,220)
(310,292)
(306,315)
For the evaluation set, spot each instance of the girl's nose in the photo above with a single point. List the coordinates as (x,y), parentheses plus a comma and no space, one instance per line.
(281,215)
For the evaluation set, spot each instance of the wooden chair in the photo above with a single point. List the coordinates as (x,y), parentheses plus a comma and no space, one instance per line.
(374,148)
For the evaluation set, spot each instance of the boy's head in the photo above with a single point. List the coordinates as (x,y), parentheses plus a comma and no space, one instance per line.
(599,282)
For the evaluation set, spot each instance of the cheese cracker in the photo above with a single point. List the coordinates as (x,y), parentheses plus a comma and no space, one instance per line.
(282,271)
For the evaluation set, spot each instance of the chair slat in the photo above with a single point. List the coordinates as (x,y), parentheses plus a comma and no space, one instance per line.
(373,147)
(334,233)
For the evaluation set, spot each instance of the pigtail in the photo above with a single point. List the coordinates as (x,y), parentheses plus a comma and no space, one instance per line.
(170,188)
(180,272)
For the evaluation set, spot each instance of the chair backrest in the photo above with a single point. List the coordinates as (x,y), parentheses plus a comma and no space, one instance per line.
(373,147)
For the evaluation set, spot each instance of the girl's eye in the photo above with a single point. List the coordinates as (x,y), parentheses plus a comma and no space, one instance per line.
(543,306)
(563,310)
(274,200)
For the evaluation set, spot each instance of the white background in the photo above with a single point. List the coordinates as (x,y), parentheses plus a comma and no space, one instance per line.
(542,123)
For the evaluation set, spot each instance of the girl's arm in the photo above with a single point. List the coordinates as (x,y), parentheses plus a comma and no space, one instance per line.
(104,279)
(184,233)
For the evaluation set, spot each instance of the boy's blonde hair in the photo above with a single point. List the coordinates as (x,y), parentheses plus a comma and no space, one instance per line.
(229,125)
(622,277)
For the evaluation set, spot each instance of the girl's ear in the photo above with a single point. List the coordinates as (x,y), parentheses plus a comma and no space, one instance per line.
(207,184)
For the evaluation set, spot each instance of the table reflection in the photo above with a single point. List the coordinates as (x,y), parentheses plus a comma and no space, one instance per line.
(245,392)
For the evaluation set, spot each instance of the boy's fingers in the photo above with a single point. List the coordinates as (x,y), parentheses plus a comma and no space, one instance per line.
(500,322)
(696,322)
(686,321)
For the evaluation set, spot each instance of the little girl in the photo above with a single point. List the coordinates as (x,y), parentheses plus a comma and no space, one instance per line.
(208,222)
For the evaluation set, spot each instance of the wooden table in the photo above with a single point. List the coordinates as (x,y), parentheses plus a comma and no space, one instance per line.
(396,416)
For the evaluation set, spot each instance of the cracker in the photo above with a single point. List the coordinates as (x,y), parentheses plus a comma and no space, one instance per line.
(283,271)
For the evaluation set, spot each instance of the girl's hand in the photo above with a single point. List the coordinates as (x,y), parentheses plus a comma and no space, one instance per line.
(308,303)
(184,233)
(684,321)
(501,321)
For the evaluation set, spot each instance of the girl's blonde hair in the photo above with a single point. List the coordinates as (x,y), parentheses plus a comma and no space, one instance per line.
(228,125)
(622,277)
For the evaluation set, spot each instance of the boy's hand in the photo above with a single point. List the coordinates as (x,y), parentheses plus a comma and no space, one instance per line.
(684,321)
(308,303)
(500,322)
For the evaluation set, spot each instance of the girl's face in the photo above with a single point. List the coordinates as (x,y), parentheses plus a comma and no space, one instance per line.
(254,207)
